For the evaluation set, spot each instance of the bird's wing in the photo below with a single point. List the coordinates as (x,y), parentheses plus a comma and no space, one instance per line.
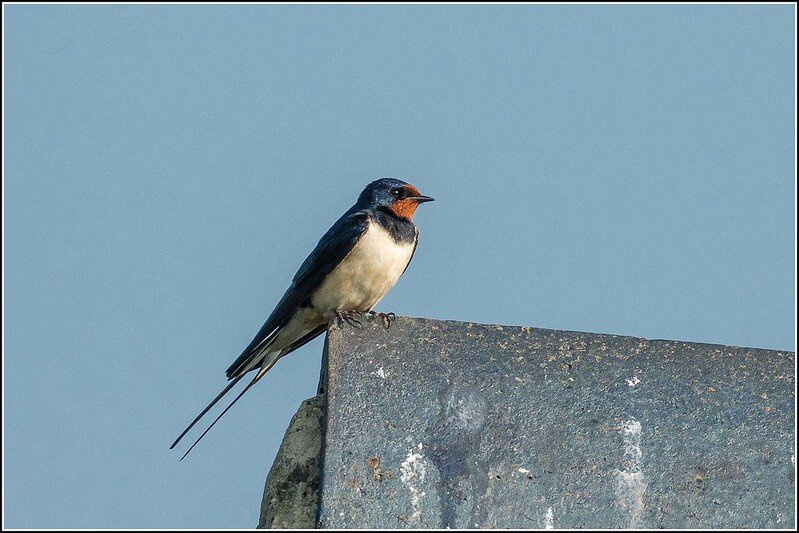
(332,248)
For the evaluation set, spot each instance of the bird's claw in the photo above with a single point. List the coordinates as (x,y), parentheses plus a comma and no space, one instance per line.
(349,318)
(386,318)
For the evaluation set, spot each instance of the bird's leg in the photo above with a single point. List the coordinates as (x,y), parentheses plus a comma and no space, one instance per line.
(348,317)
(386,318)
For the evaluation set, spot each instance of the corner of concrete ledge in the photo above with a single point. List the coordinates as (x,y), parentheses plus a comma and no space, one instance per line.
(441,424)
(291,494)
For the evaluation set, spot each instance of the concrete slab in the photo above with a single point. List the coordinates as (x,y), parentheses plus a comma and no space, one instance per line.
(452,424)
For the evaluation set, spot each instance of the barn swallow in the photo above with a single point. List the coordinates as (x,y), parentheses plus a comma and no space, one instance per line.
(352,267)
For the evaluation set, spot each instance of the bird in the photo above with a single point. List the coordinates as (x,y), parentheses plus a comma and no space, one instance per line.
(350,270)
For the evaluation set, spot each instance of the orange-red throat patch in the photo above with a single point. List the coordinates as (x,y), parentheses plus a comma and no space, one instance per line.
(405,207)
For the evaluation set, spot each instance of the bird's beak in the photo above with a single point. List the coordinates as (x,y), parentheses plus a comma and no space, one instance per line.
(421,199)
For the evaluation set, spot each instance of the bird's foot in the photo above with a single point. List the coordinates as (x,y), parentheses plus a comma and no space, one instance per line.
(349,317)
(386,318)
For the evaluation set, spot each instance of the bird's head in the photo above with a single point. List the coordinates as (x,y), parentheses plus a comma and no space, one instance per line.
(393,195)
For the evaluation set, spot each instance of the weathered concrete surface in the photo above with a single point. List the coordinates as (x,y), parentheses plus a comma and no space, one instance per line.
(291,495)
(449,424)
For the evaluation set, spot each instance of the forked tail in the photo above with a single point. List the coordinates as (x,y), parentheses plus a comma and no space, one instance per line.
(258,376)
(268,363)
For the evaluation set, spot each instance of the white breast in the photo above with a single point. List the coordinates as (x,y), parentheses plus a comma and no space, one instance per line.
(362,279)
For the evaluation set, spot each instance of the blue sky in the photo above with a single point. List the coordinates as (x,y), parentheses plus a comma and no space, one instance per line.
(619,169)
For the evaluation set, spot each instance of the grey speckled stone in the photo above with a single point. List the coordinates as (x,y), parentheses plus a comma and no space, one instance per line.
(291,495)
(451,424)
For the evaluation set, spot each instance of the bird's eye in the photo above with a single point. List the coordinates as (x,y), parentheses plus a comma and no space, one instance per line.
(394,192)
